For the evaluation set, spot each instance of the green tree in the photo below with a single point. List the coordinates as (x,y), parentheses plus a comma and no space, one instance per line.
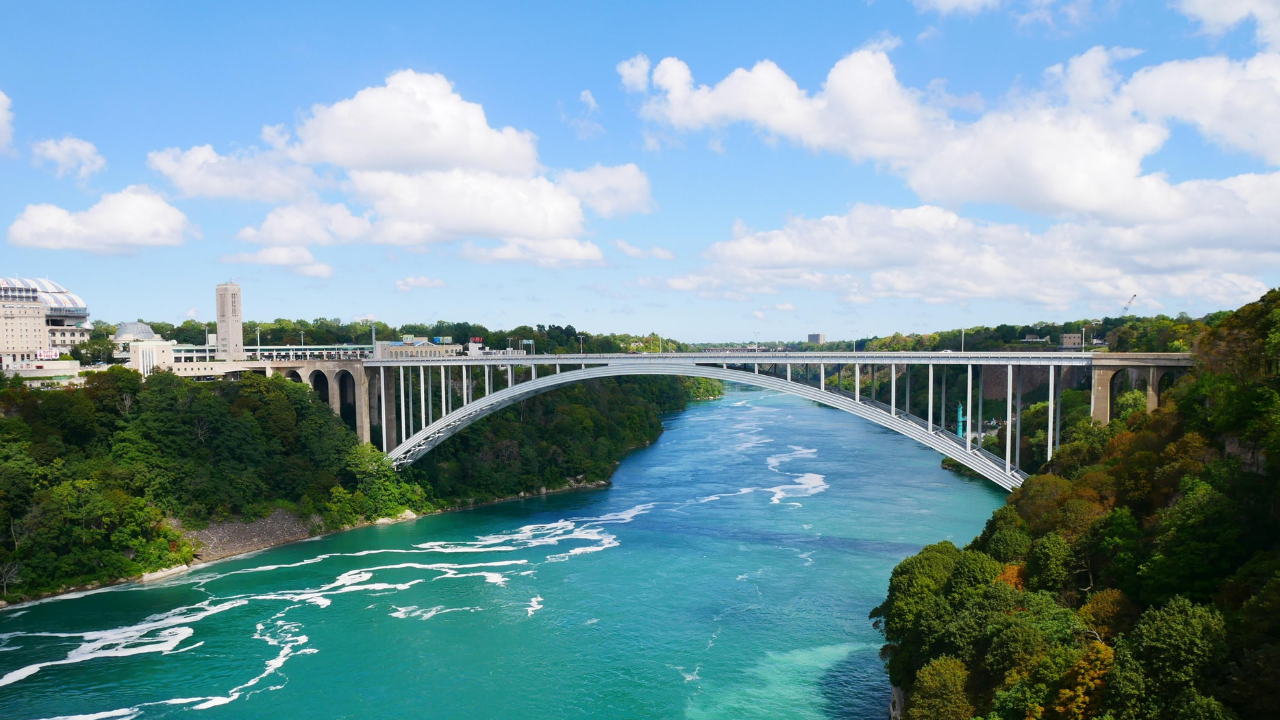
(939,692)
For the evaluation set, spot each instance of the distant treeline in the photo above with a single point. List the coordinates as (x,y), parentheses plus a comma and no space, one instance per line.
(1130,333)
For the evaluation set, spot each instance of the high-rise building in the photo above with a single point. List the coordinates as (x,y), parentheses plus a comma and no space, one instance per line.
(230,322)
(817,338)
(39,320)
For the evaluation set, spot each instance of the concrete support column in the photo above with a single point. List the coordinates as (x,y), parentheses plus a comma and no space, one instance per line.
(422,394)
(1049,434)
(757,368)
(511,375)
(402,412)
(968,410)
(488,384)
(906,403)
(382,405)
(857,382)
(1008,421)
(1017,421)
(1154,374)
(893,390)
(788,372)
(930,397)
(335,393)
(444,393)
(1100,396)
(360,379)
(822,377)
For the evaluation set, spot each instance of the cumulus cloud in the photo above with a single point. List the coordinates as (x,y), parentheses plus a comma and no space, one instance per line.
(1235,103)
(1073,148)
(635,73)
(413,122)
(202,172)
(935,255)
(1219,16)
(632,251)
(308,224)
(416,164)
(554,252)
(298,260)
(6,121)
(69,155)
(412,209)
(121,222)
(418,283)
(610,191)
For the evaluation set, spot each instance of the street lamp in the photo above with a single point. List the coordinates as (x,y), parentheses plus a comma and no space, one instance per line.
(580,344)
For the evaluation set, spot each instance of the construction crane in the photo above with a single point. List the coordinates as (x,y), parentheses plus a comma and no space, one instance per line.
(1125,310)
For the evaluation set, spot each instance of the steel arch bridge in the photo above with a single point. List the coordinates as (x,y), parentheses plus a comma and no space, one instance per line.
(417,436)
(984,463)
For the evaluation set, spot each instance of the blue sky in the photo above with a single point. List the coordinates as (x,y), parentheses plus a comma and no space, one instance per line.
(708,171)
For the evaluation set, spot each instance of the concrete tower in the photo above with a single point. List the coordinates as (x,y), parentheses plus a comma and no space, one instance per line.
(230,322)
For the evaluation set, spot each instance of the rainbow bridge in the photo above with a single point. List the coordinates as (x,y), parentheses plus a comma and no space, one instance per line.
(421,402)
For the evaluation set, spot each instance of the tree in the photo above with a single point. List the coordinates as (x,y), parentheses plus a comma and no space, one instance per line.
(938,693)
(10,574)
(1160,668)
(1047,563)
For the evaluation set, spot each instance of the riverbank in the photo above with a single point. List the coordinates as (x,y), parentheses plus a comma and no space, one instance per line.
(233,538)
(230,538)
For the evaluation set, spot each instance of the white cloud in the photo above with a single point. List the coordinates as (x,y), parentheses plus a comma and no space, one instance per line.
(956,6)
(447,205)
(1073,148)
(190,314)
(935,255)
(308,224)
(635,73)
(632,251)
(413,122)
(1234,103)
(69,154)
(1219,16)
(419,282)
(6,121)
(585,124)
(610,191)
(250,175)
(553,252)
(297,259)
(120,222)
(784,307)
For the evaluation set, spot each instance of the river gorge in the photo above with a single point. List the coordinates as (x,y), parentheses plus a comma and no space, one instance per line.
(726,573)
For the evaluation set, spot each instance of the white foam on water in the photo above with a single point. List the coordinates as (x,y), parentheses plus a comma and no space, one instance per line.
(806,484)
(688,676)
(157,633)
(592,621)
(413,611)
(535,604)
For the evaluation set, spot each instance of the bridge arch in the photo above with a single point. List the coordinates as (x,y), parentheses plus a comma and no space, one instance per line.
(319,381)
(437,432)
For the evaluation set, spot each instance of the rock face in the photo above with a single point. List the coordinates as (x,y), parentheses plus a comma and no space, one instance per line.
(165,573)
(233,537)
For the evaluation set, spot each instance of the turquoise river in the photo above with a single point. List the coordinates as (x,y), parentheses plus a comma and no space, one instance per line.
(727,573)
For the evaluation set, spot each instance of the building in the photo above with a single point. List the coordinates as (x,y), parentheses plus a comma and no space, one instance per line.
(817,338)
(230,342)
(39,320)
(129,332)
(414,347)
(1071,341)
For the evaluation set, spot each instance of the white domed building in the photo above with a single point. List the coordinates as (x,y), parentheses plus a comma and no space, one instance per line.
(39,320)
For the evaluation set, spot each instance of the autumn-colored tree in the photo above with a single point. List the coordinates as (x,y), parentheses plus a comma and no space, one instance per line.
(939,692)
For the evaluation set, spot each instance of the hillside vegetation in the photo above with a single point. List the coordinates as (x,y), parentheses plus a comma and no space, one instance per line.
(89,476)
(1136,577)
